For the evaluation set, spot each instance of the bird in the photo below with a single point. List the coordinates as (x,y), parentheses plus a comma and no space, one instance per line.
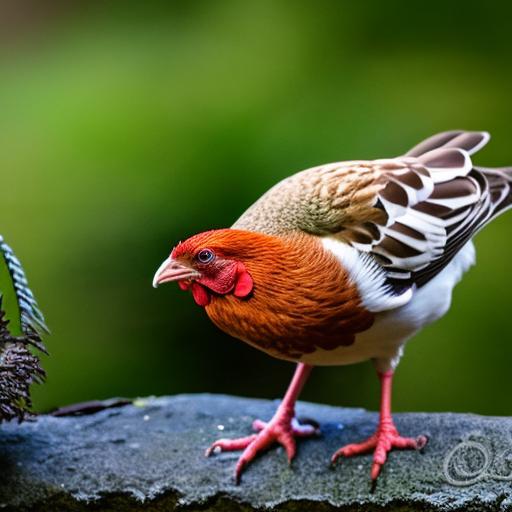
(340,264)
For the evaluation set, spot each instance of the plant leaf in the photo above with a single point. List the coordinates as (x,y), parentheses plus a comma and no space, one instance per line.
(18,302)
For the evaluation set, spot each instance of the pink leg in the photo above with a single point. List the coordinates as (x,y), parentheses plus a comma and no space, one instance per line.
(282,428)
(386,437)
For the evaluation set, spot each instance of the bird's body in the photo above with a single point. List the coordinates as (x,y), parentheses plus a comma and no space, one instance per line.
(322,322)
(344,263)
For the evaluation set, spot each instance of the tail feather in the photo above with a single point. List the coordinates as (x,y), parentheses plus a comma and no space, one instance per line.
(500,188)
(470,142)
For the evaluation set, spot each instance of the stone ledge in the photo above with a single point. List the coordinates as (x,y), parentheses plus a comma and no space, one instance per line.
(150,457)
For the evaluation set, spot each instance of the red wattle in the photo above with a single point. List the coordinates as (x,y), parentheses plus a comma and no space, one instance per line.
(244,285)
(200,294)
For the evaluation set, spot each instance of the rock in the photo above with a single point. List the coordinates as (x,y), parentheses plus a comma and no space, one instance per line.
(150,456)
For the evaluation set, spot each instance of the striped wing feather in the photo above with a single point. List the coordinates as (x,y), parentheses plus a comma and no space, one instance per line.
(417,245)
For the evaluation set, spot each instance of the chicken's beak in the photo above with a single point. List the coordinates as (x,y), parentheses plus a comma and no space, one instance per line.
(172,270)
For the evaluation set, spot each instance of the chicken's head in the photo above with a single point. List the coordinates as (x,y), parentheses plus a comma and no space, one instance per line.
(208,263)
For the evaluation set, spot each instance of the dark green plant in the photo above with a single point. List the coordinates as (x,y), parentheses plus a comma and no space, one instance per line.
(21,325)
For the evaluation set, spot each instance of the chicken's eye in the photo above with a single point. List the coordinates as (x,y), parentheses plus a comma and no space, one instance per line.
(205,256)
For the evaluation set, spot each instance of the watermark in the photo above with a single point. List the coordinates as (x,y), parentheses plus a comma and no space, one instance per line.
(473,461)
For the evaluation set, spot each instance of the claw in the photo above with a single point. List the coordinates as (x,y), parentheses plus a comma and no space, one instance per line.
(282,429)
(382,442)
(230,444)
(385,438)
(279,430)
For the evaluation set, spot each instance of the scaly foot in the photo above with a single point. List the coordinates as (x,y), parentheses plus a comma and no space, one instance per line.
(283,428)
(383,441)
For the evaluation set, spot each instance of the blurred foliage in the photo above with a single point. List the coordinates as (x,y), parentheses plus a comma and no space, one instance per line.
(126,127)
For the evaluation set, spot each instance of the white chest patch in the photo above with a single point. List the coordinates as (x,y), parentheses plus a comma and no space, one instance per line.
(368,276)
(393,327)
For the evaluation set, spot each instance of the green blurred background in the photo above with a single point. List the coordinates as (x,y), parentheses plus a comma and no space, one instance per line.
(125,127)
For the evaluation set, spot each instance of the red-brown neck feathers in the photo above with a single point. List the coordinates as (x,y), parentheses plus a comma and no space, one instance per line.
(301,298)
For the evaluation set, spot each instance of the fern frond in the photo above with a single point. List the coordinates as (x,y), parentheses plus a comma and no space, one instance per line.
(27,313)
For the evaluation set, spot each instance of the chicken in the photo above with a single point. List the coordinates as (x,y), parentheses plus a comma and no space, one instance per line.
(340,264)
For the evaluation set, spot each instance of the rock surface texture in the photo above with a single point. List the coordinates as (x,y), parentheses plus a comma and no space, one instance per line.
(150,456)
